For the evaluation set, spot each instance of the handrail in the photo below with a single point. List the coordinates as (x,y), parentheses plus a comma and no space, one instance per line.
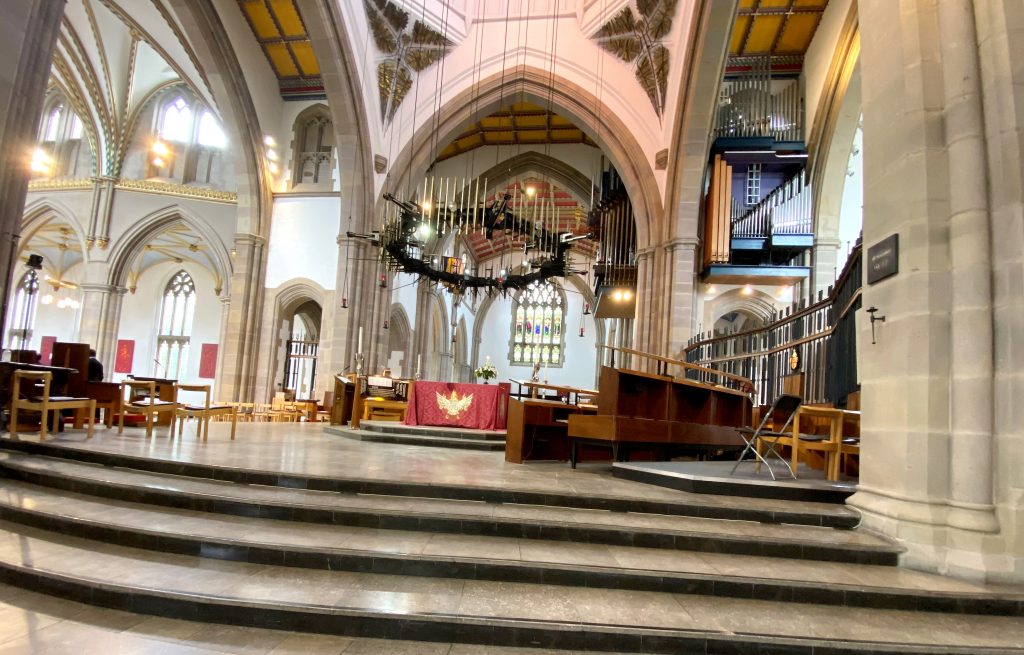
(746,384)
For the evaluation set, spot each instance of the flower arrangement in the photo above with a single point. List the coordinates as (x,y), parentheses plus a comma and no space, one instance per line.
(487,371)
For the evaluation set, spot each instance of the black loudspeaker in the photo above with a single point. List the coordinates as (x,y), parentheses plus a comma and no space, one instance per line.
(35,261)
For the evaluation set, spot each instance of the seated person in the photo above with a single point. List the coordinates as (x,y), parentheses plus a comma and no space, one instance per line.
(95,368)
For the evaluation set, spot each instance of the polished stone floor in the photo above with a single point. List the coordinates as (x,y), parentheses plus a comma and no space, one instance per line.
(304,448)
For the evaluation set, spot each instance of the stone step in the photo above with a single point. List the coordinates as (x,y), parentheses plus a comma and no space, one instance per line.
(267,541)
(457,517)
(477,612)
(745,509)
(416,439)
(394,427)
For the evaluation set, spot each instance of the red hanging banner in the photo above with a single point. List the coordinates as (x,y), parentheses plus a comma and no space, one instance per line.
(125,356)
(46,350)
(208,361)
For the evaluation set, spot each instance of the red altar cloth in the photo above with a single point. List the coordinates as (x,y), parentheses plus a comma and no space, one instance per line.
(457,405)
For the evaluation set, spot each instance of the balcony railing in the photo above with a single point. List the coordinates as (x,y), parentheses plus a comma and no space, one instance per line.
(823,335)
(788,209)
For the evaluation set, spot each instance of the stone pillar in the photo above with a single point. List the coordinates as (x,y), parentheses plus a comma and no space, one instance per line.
(241,348)
(28,32)
(680,292)
(101,317)
(971,443)
(225,313)
(904,477)
(645,315)
(823,265)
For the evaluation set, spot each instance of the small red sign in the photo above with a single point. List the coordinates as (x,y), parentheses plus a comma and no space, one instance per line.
(125,355)
(46,350)
(208,361)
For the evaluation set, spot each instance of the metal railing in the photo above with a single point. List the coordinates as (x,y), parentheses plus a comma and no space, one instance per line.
(788,209)
(822,335)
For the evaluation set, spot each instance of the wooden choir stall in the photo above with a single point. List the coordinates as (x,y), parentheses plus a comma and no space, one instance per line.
(635,410)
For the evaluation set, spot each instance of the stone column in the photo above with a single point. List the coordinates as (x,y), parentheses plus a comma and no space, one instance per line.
(823,265)
(28,33)
(680,291)
(101,317)
(241,347)
(225,313)
(905,441)
(971,443)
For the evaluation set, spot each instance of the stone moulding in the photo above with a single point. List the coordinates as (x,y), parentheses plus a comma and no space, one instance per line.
(146,186)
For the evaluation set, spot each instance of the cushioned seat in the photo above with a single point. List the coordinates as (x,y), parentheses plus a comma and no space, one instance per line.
(45,403)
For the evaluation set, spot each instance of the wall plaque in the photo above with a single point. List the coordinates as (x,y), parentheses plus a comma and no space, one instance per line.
(884,259)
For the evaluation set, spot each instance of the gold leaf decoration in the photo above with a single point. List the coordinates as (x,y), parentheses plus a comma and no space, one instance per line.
(638,41)
(405,52)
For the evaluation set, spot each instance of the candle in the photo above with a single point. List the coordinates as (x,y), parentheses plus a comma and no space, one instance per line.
(419,362)
(545,371)
(359,349)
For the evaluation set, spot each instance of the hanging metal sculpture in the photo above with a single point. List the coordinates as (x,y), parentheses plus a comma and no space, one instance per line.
(461,206)
(639,41)
(405,52)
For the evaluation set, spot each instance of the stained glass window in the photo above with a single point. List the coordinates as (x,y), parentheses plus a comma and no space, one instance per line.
(537,325)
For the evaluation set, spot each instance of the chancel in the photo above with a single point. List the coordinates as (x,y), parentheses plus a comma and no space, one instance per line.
(491,326)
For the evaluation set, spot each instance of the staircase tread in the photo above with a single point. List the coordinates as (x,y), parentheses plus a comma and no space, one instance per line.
(411,438)
(392,469)
(129,516)
(562,516)
(507,603)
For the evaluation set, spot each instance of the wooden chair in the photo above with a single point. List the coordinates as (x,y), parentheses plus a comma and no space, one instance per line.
(148,405)
(45,403)
(108,398)
(203,412)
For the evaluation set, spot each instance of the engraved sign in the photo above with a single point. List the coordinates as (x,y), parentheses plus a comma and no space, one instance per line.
(884,259)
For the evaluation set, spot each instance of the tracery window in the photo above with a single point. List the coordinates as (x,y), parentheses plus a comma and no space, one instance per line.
(62,151)
(52,126)
(175,329)
(314,149)
(23,311)
(176,122)
(537,321)
(191,143)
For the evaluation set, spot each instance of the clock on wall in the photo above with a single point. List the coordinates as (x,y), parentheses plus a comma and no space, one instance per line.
(794,359)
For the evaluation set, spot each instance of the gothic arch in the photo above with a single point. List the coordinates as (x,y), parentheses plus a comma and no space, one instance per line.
(532,161)
(130,245)
(579,105)
(309,117)
(756,304)
(42,211)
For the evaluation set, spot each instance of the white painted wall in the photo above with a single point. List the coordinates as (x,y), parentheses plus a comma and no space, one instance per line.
(851,214)
(303,240)
(579,368)
(141,312)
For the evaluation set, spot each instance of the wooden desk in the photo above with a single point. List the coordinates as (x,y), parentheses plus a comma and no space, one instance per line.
(659,411)
(832,447)
(539,429)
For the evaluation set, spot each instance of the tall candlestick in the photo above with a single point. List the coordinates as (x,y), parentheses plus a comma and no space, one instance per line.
(419,364)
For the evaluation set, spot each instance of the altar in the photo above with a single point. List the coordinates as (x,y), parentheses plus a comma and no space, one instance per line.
(455,404)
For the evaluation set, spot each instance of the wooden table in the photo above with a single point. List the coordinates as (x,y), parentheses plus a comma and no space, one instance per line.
(832,447)
(456,404)
(538,429)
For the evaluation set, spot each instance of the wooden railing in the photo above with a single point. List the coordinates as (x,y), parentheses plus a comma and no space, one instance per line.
(663,366)
(823,336)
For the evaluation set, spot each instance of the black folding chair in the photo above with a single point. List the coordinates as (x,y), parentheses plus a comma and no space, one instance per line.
(782,410)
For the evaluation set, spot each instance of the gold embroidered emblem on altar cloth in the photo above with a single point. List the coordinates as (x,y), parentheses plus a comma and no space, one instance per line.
(453,406)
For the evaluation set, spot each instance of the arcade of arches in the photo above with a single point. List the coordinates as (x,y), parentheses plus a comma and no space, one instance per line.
(203,178)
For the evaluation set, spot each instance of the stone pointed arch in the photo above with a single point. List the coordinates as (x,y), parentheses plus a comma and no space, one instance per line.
(566,98)
(757,304)
(130,245)
(531,161)
(282,303)
(42,211)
